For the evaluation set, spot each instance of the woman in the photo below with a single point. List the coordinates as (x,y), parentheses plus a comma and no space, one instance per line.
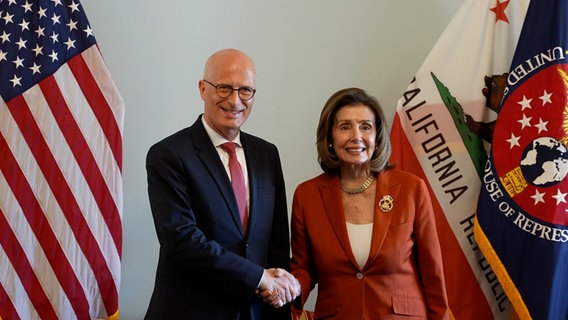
(364,231)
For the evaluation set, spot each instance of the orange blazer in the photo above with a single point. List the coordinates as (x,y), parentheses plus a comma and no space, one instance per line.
(403,276)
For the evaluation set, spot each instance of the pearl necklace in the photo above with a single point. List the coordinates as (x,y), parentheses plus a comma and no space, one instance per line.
(360,188)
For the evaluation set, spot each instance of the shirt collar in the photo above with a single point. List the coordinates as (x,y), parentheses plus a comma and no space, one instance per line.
(218,139)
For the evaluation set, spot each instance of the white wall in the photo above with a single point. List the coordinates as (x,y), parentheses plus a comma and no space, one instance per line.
(304,51)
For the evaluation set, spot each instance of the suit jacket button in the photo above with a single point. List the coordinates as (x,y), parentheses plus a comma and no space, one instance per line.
(359,275)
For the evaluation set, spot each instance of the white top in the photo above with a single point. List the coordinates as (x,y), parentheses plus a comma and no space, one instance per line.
(360,238)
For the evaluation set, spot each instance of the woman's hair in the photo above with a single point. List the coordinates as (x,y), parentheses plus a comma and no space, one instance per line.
(327,158)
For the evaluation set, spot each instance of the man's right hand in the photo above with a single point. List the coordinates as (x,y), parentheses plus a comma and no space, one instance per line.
(278,287)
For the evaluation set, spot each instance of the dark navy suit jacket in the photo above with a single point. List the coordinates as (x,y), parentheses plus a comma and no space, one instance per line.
(207,268)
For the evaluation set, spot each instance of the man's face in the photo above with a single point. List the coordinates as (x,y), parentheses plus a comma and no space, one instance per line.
(227,115)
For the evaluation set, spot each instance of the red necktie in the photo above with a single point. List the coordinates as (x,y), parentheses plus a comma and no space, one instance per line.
(238,181)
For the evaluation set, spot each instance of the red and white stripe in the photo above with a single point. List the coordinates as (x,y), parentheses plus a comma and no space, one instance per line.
(61,186)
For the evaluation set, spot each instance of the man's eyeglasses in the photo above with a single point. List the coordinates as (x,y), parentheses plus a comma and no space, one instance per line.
(225,90)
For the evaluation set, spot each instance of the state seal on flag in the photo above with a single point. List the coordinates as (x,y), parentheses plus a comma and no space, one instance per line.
(529,145)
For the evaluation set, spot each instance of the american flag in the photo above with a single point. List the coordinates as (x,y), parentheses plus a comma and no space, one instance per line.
(61,120)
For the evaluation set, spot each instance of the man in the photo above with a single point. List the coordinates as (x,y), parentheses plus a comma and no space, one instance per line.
(220,244)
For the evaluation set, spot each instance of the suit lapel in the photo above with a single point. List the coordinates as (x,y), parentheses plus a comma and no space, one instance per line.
(252,163)
(382,218)
(209,156)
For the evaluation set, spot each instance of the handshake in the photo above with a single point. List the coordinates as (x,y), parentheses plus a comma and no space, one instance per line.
(278,287)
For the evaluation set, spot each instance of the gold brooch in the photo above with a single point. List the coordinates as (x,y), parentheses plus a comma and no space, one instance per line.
(386,203)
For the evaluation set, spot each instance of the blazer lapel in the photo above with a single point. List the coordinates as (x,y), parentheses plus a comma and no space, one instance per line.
(209,156)
(383,218)
(333,204)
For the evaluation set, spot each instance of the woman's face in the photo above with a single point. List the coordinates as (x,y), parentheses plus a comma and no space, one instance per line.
(354,133)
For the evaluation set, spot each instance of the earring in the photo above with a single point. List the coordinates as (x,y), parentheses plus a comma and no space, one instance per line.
(330,146)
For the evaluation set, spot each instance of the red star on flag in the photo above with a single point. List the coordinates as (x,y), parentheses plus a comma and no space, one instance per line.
(499,10)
